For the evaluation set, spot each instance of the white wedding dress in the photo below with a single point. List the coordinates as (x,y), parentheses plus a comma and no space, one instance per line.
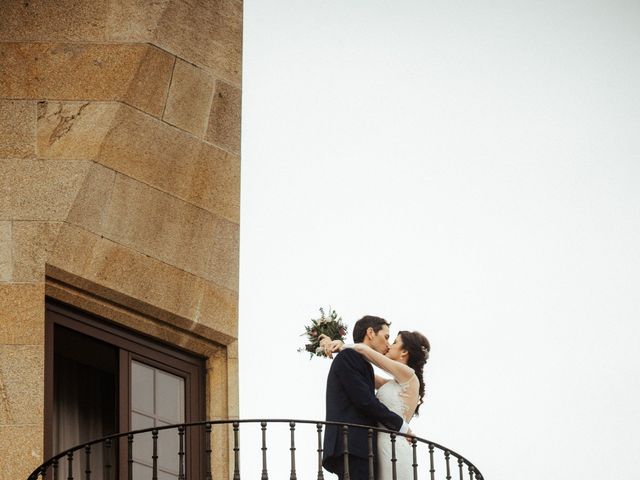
(400,398)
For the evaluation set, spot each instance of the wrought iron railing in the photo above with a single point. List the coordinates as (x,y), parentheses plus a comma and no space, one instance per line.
(189,453)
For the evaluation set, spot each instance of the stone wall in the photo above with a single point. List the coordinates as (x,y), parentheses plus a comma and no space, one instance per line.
(119,186)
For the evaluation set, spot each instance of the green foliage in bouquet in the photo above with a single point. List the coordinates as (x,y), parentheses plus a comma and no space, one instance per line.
(330,325)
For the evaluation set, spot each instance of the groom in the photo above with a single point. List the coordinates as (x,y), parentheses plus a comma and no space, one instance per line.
(351,399)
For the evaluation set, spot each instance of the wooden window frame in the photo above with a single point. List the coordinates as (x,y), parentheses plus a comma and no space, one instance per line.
(131,345)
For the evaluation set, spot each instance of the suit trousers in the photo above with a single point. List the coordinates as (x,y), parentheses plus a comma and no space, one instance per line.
(358,468)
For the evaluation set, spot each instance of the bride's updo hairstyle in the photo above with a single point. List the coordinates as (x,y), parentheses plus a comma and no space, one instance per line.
(418,348)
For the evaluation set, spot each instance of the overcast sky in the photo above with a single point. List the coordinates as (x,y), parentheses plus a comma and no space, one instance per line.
(467,169)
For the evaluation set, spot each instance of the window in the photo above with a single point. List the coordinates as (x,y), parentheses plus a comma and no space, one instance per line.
(102,379)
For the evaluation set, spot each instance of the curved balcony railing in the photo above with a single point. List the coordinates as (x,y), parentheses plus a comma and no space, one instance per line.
(196,451)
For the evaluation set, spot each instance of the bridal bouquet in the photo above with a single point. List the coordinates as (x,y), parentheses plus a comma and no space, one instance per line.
(330,325)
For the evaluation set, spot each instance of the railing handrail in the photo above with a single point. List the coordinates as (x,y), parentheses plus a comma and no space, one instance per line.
(115,436)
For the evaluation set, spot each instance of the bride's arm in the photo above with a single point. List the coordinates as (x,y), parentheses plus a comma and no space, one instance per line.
(401,372)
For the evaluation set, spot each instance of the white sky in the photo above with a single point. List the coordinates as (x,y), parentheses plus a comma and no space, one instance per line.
(467,169)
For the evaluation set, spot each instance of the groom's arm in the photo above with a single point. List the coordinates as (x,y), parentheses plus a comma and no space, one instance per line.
(352,377)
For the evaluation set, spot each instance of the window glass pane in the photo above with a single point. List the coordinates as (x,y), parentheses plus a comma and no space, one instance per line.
(169,397)
(142,388)
(142,471)
(145,472)
(139,421)
(166,476)
(160,395)
(142,442)
(168,447)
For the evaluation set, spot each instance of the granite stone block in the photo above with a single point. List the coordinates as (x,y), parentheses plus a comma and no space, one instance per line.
(190,97)
(134,20)
(32,243)
(17,128)
(205,33)
(91,205)
(6,246)
(149,85)
(73,130)
(143,278)
(223,262)
(39,189)
(215,182)
(21,384)
(224,120)
(73,250)
(22,313)
(219,309)
(60,20)
(20,450)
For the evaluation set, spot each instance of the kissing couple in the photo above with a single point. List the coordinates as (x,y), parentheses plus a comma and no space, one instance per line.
(352,398)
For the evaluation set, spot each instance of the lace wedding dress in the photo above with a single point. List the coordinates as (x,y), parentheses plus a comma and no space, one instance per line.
(401,398)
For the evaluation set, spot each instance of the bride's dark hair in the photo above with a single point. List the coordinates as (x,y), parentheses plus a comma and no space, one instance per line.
(418,347)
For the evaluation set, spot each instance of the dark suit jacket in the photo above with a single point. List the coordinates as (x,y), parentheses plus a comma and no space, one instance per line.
(351,399)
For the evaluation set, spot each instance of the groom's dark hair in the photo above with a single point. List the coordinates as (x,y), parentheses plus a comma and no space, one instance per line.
(361,326)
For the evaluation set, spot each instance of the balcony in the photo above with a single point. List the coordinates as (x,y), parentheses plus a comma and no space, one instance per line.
(189,451)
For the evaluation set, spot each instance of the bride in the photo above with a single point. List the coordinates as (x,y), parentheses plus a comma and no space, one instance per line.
(402,393)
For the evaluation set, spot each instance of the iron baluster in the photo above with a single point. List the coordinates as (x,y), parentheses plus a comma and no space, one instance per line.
(130,456)
(320,450)
(181,453)
(265,474)
(432,470)
(154,455)
(236,451)
(394,472)
(460,463)
(370,453)
(345,440)
(447,455)
(414,449)
(55,469)
(107,467)
(87,457)
(42,473)
(470,472)
(208,449)
(70,466)
(292,427)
